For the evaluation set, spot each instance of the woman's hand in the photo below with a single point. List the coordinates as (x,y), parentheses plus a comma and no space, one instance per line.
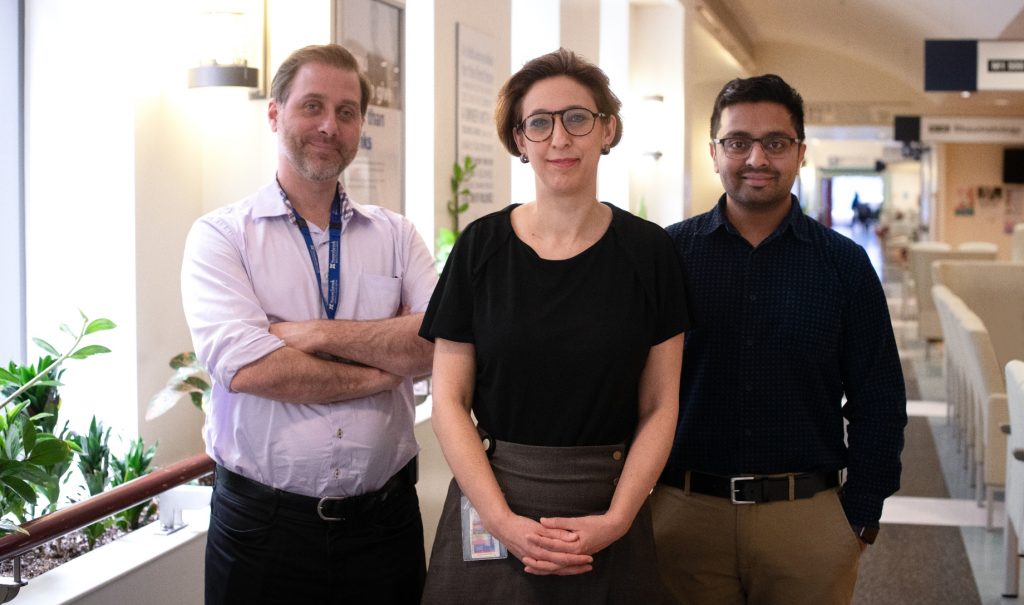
(593,533)
(543,551)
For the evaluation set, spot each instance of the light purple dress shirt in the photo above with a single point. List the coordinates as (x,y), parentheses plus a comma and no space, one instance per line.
(247,266)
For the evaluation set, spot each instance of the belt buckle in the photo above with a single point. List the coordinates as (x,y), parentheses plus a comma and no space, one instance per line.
(320,507)
(733,489)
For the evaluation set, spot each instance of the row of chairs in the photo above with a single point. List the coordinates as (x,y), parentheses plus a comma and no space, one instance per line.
(919,272)
(981,318)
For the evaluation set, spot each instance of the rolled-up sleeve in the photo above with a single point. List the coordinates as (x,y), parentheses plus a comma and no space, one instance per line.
(228,325)
(420,275)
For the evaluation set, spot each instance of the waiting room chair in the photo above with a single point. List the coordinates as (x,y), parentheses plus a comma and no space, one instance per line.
(995,291)
(979,247)
(1017,243)
(1014,477)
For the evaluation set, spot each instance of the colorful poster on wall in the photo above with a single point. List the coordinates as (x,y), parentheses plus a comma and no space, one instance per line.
(1014,209)
(964,201)
(372,31)
(475,97)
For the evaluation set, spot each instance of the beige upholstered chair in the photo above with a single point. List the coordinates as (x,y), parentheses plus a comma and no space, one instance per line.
(1014,476)
(987,391)
(921,265)
(995,291)
(955,369)
(922,255)
(978,247)
(918,281)
(1017,245)
(979,393)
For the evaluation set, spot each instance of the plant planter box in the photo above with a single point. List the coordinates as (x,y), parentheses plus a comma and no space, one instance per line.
(144,566)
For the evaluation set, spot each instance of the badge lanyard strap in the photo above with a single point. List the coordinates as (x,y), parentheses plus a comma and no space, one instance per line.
(333,255)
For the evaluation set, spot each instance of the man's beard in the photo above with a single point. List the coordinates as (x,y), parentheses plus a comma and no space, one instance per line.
(312,167)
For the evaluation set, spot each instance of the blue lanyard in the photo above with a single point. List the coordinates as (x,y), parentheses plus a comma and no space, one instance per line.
(333,256)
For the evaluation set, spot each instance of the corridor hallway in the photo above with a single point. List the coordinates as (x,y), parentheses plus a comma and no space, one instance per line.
(933,547)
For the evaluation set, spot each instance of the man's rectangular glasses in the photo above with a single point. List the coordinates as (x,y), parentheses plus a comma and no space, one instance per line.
(577,121)
(739,148)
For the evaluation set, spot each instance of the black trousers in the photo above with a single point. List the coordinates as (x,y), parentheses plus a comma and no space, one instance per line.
(261,551)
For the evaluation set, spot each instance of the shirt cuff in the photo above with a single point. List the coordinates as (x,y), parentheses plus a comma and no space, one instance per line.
(861,509)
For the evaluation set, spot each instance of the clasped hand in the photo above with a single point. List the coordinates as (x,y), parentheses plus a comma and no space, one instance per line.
(559,545)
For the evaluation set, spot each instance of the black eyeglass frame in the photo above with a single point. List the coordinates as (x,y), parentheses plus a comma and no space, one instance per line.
(521,126)
(760,141)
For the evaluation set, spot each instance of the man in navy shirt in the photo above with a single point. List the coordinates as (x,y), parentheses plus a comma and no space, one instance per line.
(788,318)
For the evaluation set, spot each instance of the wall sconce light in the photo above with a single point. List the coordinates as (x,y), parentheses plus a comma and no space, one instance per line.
(652,108)
(224,35)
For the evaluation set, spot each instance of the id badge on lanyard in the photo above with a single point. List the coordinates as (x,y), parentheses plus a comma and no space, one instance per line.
(330,301)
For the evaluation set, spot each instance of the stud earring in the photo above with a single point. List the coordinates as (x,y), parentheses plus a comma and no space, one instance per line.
(606,150)
(524,159)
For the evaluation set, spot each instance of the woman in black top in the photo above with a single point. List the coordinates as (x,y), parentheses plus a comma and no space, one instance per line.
(559,324)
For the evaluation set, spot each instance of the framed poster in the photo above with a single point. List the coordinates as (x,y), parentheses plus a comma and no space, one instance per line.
(373,31)
(476,92)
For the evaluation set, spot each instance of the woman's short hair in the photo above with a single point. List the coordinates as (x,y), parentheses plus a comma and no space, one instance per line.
(508,114)
(326,54)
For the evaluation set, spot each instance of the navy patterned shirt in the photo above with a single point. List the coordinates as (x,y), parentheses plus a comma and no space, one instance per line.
(780,333)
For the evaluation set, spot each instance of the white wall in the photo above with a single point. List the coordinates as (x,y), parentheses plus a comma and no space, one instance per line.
(12,304)
(656,70)
(493,19)
(708,67)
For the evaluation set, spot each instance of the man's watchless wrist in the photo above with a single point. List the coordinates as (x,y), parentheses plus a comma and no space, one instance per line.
(867,535)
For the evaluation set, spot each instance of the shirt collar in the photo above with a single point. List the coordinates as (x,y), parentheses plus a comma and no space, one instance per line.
(271,202)
(794,220)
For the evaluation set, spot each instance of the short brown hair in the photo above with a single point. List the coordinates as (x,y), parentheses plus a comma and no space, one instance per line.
(327,54)
(562,62)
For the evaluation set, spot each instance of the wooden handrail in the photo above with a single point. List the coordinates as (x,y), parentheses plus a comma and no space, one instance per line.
(89,511)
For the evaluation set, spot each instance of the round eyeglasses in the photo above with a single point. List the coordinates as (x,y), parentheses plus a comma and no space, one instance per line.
(577,121)
(739,148)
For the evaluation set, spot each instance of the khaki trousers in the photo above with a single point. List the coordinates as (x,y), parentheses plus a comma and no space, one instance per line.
(778,553)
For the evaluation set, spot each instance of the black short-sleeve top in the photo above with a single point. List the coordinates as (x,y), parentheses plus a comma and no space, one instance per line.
(560,344)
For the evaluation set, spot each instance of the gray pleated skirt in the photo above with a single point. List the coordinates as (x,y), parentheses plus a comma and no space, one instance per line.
(547,482)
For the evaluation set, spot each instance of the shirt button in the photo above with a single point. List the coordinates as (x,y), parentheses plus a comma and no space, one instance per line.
(617,455)
(337,473)
(339,434)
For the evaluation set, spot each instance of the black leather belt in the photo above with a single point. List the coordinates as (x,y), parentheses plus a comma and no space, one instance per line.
(328,508)
(754,489)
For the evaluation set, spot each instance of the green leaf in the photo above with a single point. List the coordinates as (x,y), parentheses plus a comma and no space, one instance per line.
(8,377)
(463,208)
(67,330)
(28,436)
(100,324)
(88,351)
(9,526)
(184,360)
(198,383)
(42,344)
(50,451)
(197,400)
(21,488)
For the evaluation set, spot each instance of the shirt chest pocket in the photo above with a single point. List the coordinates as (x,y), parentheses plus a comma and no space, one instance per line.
(376,297)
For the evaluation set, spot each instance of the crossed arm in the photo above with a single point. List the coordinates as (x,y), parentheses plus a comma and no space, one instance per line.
(325,361)
(562,546)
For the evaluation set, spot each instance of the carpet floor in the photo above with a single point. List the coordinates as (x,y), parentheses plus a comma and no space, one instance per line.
(917,564)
